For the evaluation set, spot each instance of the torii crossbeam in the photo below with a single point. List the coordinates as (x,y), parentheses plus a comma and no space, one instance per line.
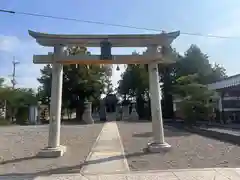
(153,56)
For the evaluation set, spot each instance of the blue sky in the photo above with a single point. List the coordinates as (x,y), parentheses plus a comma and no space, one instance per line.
(218,17)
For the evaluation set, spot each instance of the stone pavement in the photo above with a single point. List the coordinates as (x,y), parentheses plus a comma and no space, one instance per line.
(234,132)
(107,161)
(107,155)
(180,174)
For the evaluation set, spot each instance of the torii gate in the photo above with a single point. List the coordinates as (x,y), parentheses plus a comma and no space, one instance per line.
(153,56)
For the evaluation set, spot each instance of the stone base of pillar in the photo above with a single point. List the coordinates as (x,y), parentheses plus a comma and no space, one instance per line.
(52,152)
(87,119)
(125,113)
(87,115)
(125,118)
(158,147)
(134,115)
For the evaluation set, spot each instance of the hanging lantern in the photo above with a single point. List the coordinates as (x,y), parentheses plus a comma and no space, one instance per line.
(106,48)
(146,67)
(118,68)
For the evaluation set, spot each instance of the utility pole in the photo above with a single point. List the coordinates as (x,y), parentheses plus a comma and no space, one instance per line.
(13,81)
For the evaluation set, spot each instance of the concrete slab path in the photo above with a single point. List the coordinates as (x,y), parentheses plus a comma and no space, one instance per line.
(179,174)
(107,155)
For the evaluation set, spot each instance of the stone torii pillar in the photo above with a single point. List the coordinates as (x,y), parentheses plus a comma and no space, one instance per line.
(158,143)
(54,148)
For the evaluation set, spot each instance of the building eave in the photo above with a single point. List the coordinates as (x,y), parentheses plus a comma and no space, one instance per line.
(225,83)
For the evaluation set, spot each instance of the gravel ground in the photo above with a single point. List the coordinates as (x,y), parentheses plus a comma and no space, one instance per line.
(19,145)
(188,150)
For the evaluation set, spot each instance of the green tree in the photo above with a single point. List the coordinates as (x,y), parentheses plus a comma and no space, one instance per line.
(80,82)
(218,73)
(196,62)
(109,87)
(197,102)
(2,100)
(167,76)
(44,91)
(134,85)
(17,102)
(134,80)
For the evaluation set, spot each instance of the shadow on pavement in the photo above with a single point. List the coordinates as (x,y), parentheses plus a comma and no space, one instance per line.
(135,121)
(69,169)
(77,122)
(168,132)
(18,160)
(205,131)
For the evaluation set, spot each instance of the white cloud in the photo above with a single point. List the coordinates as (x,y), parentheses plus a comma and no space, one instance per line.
(8,43)
(22,50)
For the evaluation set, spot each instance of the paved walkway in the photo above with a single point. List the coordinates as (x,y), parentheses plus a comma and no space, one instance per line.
(107,161)
(184,174)
(107,155)
(226,131)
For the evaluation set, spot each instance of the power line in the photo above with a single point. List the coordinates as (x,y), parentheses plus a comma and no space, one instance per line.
(111,24)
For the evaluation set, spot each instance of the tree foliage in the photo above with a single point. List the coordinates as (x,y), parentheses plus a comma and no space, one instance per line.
(44,91)
(134,80)
(197,101)
(195,61)
(17,102)
(80,82)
